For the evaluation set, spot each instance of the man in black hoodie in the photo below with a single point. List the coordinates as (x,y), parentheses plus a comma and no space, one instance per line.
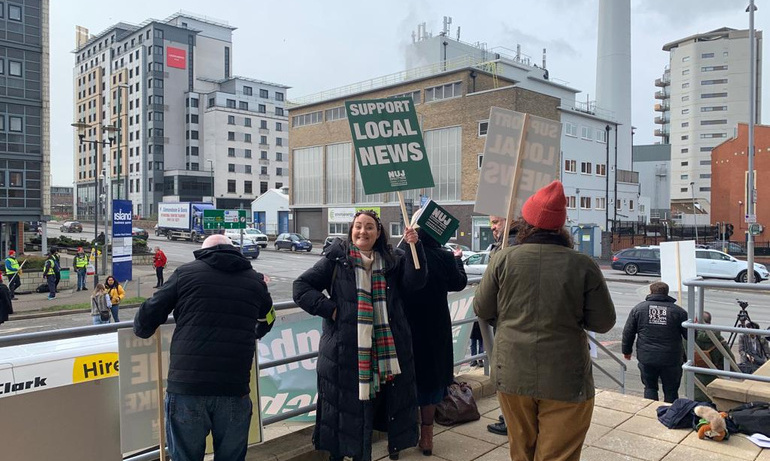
(658,323)
(221,306)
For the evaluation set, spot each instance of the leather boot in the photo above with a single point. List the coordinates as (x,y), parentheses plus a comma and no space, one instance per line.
(426,439)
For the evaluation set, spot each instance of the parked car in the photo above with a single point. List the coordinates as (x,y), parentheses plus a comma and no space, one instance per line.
(71,226)
(467,252)
(726,246)
(715,264)
(250,247)
(139,233)
(477,263)
(253,234)
(293,242)
(637,260)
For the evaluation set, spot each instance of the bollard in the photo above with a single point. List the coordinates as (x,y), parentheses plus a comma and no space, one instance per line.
(139,287)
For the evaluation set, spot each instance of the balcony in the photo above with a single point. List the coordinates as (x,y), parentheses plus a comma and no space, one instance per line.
(626,176)
(662,107)
(663,81)
(264,131)
(264,146)
(264,161)
(661,94)
(662,132)
(264,176)
(661,120)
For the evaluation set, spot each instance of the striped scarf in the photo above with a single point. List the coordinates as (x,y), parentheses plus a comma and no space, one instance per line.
(377,360)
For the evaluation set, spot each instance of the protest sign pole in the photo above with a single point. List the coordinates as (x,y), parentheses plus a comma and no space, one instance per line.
(406,220)
(679,271)
(161,426)
(515,181)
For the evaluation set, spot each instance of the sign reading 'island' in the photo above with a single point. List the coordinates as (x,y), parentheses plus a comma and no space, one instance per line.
(389,145)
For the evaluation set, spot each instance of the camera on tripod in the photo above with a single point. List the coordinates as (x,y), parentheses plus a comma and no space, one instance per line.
(743,318)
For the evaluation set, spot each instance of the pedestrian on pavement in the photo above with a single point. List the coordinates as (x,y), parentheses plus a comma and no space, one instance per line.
(497,223)
(6,306)
(81,264)
(715,355)
(100,305)
(13,272)
(221,306)
(364,382)
(427,311)
(49,274)
(159,262)
(753,350)
(117,293)
(544,295)
(656,326)
(477,345)
(57,266)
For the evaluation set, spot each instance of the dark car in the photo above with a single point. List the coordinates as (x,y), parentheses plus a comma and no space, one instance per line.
(293,242)
(71,226)
(728,247)
(637,260)
(250,247)
(138,232)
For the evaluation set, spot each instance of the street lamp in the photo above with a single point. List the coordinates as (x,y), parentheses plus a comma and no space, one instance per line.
(694,211)
(82,127)
(211,169)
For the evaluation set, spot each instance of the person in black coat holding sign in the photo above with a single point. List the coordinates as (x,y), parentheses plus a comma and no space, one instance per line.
(364,384)
(428,314)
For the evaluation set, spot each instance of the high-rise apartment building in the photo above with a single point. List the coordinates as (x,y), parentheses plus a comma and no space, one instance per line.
(24,119)
(166,84)
(704,94)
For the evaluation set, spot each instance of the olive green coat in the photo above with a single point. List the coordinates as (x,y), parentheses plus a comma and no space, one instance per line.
(543,297)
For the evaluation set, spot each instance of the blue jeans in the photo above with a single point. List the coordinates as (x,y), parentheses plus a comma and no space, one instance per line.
(115,309)
(189,419)
(81,279)
(98,320)
(51,280)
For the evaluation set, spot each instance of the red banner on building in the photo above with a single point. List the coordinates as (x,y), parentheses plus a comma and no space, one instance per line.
(176,57)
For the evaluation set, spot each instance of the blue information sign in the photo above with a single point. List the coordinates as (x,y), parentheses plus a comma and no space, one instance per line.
(122,242)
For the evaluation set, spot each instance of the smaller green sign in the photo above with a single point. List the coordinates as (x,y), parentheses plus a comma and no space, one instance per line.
(437,222)
(224,219)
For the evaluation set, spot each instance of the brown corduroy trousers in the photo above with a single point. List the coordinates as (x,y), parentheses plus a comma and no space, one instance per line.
(545,430)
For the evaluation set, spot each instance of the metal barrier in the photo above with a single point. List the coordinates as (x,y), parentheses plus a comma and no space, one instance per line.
(699,287)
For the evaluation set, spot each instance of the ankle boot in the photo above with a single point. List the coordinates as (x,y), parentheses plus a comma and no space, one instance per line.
(426,439)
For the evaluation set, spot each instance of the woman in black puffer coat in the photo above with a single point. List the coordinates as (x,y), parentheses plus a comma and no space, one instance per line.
(428,314)
(344,420)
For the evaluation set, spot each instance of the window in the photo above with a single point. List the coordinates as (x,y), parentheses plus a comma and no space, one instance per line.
(247,187)
(337,113)
(278,96)
(194,150)
(570,166)
(570,129)
(193,102)
(618,204)
(193,118)
(279,157)
(247,121)
(231,186)
(685,124)
(15,179)
(600,203)
(338,228)
(713,95)
(247,91)
(585,167)
(714,122)
(718,81)
(231,167)
(705,176)
(278,126)
(14,124)
(684,150)
(686,72)
(686,85)
(571,201)
(231,103)
(263,154)
(306,183)
(157,50)
(263,94)
(14,68)
(261,108)
(247,153)
(279,141)
(243,105)
(685,98)
(585,133)
(247,137)
(450,90)
(601,136)
(248,169)
(279,111)
(263,170)
(231,151)
(685,163)
(685,58)
(601,169)
(684,176)
(231,119)
(414,95)
(685,137)
(194,134)
(685,111)
(705,162)
(585,203)
(684,189)
(713,68)
(263,124)
(704,189)
(231,135)
(713,108)
(14,12)
(631,205)
(713,135)
(395,229)
(157,33)
(706,55)
(263,140)
(263,187)
(480,160)
(211,102)
(483,128)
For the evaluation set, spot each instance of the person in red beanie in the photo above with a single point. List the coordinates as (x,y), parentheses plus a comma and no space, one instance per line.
(544,295)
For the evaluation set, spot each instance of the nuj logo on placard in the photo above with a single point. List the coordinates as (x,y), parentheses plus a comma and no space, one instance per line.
(439,216)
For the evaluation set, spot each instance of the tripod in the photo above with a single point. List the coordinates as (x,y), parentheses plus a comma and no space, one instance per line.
(743,317)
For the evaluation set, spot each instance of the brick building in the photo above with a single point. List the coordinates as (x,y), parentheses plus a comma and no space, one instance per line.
(452,107)
(729,169)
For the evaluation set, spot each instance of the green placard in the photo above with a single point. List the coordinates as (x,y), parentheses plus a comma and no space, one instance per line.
(389,145)
(437,222)
(224,219)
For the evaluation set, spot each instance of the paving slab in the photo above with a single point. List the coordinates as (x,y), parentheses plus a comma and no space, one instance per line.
(488,404)
(598,454)
(621,402)
(478,430)
(685,453)
(498,454)
(653,428)
(458,447)
(609,417)
(651,410)
(738,446)
(595,432)
(634,445)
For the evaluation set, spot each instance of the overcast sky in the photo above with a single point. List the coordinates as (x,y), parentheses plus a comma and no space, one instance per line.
(314,45)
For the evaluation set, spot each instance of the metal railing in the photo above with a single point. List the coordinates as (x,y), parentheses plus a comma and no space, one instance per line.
(696,300)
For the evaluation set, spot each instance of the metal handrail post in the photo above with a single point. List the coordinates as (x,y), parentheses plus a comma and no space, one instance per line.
(689,384)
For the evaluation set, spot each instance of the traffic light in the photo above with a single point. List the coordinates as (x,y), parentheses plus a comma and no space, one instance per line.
(728,231)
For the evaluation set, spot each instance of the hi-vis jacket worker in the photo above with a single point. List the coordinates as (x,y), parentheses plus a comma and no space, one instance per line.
(13,272)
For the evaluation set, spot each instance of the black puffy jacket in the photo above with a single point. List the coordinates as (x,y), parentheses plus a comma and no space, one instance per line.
(658,324)
(343,422)
(217,302)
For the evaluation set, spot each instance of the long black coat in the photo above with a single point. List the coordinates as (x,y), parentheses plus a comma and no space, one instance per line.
(428,313)
(656,324)
(6,306)
(343,422)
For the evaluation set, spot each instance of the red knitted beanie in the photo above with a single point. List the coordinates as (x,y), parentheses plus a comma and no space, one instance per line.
(547,209)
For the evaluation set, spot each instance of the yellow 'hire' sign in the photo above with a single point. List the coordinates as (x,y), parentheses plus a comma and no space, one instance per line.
(97,366)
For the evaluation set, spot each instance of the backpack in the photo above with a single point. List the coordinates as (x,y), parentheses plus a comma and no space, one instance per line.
(752,418)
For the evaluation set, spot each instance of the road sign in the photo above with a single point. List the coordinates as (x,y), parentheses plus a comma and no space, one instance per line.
(751,218)
(755,228)
(224,219)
